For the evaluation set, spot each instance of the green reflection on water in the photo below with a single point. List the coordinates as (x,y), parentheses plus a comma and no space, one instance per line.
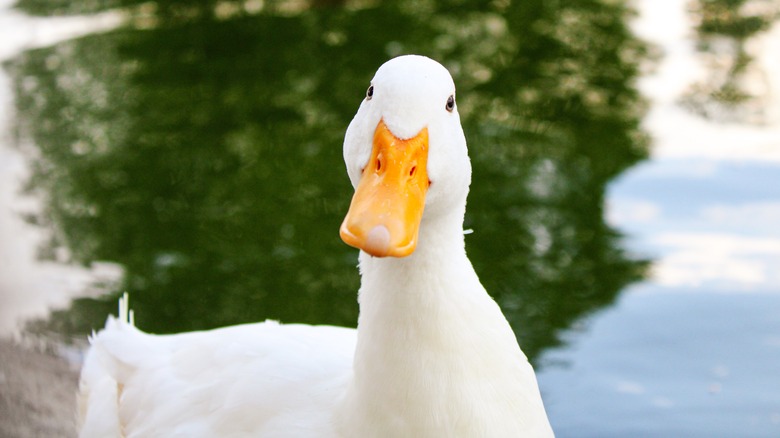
(204,156)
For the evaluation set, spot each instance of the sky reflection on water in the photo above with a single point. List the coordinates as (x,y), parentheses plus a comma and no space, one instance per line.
(693,350)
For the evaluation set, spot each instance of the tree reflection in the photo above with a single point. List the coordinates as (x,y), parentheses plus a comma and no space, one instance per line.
(204,155)
(733,87)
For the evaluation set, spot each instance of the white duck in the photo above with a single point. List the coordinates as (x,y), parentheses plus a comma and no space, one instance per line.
(433,356)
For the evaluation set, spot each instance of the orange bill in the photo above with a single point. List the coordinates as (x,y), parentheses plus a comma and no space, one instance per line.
(385,214)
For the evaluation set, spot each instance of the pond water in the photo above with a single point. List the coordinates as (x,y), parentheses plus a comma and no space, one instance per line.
(192,157)
(694,350)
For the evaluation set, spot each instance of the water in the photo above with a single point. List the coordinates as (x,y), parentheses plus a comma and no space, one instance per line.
(29,286)
(194,158)
(693,350)
(669,364)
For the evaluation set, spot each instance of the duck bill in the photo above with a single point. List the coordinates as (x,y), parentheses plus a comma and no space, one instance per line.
(386,210)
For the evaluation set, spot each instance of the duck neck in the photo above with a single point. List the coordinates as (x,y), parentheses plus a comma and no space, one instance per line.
(435,355)
(411,289)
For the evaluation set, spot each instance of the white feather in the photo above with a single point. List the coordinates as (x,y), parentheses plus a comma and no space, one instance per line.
(433,355)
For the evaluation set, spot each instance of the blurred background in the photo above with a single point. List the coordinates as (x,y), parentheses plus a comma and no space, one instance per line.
(625,199)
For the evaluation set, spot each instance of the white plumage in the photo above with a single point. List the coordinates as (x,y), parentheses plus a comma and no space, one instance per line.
(433,356)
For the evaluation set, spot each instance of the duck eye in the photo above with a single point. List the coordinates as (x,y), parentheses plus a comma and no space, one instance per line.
(370,92)
(450,103)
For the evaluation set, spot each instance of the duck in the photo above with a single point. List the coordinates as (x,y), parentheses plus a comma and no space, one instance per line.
(432,355)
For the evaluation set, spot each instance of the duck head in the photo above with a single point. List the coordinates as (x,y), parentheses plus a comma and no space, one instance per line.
(406,157)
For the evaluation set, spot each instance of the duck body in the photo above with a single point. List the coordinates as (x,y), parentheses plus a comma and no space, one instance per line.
(433,356)
(251,380)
